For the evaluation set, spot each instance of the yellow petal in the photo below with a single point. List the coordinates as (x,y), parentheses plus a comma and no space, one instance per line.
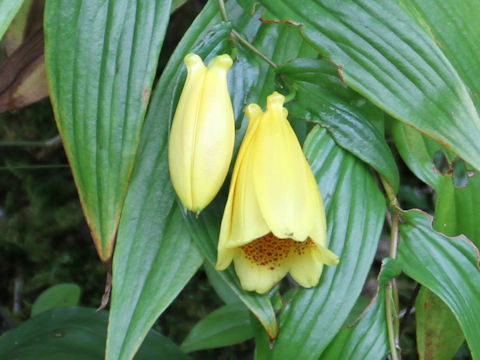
(280,175)
(215,134)
(182,134)
(202,133)
(242,221)
(306,266)
(255,277)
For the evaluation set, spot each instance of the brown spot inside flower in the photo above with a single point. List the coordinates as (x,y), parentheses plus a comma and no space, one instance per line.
(271,251)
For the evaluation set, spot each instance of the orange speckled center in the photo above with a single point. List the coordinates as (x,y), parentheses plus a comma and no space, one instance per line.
(271,251)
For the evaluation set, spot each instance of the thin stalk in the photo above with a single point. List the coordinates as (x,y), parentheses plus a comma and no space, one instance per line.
(390,330)
(223,12)
(241,39)
(252,48)
(392,301)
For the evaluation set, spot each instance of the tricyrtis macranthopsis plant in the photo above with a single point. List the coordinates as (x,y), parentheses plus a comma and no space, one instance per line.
(274,220)
(202,134)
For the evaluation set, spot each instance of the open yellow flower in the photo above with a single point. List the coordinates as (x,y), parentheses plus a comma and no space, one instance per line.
(202,134)
(274,220)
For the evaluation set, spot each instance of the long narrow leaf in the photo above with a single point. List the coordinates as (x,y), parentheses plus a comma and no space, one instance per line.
(367,339)
(100,63)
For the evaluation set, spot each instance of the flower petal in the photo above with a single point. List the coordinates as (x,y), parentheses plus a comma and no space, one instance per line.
(215,134)
(182,134)
(242,221)
(254,277)
(281,175)
(306,267)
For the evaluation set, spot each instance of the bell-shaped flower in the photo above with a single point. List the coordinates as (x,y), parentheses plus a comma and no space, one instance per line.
(274,220)
(202,134)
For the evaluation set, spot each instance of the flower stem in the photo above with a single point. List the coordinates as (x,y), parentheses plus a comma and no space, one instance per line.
(241,39)
(252,48)
(223,12)
(392,302)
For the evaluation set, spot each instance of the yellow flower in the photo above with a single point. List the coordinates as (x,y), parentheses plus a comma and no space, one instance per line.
(274,220)
(202,134)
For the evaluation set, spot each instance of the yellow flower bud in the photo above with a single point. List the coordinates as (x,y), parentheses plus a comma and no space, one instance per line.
(274,220)
(202,134)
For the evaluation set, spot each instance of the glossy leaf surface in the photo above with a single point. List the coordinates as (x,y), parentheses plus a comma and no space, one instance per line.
(391,60)
(366,339)
(453,26)
(322,98)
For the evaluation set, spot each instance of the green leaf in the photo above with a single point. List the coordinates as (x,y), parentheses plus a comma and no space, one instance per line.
(74,333)
(355,215)
(322,98)
(417,151)
(263,344)
(150,267)
(154,256)
(438,334)
(219,285)
(226,326)
(387,57)
(447,266)
(100,63)
(390,269)
(453,26)
(457,209)
(8,9)
(56,296)
(367,339)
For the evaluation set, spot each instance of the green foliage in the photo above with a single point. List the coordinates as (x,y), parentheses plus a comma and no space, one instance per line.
(228,325)
(75,333)
(384,98)
(56,296)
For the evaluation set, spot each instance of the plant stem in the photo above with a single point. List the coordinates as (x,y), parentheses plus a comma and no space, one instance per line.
(392,301)
(252,48)
(241,39)
(223,12)
(389,315)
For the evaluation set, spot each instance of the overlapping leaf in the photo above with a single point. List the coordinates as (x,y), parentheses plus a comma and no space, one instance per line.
(225,326)
(366,339)
(154,257)
(322,97)
(447,266)
(387,57)
(438,334)
(355,214)
(74,333)
(8,9)
(453,25)
(100,63)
